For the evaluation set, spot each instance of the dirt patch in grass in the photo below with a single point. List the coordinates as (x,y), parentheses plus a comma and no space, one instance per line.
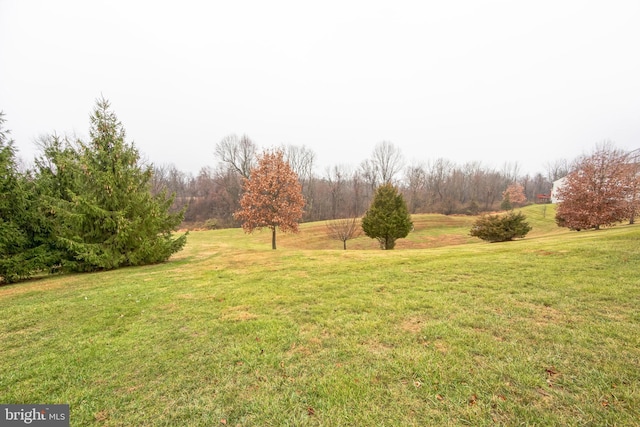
(238,313)
(101,416)
(413,324)
(543,315)
(377,348)
(297,349)
(169,308)
(441,346)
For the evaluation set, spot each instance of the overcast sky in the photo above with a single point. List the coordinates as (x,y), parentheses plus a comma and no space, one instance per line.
(490,81)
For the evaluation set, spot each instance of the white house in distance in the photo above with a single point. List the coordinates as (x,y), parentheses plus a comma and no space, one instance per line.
(557,184)
(633,159)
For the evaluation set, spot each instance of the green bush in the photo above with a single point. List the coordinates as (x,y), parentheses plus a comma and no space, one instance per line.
(500,228)
(387,219)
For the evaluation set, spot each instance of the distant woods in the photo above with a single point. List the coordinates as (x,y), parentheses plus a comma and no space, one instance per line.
(210,197)
(345,191)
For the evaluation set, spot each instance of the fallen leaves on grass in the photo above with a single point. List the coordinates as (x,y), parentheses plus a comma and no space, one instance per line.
(552,374)
(101,416)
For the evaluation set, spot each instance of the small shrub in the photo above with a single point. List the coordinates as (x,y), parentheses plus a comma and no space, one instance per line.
(473,208)
(506,203)
(500,228)
(211,224)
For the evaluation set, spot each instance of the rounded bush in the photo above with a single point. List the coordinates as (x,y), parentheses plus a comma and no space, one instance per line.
(500,228)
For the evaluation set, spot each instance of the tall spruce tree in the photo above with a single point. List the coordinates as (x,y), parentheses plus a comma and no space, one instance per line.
(100,201)
(22,251)
(387,219)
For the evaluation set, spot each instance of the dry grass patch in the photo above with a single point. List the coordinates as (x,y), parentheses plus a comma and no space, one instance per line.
(238,313)
(413,324)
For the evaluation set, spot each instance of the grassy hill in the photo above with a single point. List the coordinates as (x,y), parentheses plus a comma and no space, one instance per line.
(430,231)
(444,330)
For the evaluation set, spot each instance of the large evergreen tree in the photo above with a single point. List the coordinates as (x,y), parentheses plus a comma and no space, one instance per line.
(100,201)
(387,219)
(22,251)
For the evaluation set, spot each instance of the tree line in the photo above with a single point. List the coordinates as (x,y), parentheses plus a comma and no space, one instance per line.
(341,191)
(95,205)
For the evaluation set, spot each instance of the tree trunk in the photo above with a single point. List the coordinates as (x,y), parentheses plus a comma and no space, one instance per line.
(273,238)
(344,243)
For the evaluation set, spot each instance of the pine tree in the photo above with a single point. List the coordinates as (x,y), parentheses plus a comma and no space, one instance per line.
(21,250)
(388,218)
(100,200)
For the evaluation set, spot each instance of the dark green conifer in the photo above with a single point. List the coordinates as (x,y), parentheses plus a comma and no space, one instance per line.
(387,219)
(100,200)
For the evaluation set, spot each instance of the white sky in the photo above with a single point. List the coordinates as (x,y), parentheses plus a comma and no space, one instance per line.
(490,81)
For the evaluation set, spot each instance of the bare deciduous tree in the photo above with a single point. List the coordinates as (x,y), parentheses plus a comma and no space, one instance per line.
(437,174)
(415,183)
(388,161)
(239,154)
(336,178)
(511,171)
(301,160)
(557,169)
(344,229)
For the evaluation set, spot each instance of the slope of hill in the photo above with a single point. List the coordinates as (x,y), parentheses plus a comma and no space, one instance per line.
(539,331)
(430,231)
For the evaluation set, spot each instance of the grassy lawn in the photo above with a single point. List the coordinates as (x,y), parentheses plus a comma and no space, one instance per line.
(444,330)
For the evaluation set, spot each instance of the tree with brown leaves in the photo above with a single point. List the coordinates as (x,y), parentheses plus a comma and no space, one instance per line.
(598,190)
(513,196)
(272,197)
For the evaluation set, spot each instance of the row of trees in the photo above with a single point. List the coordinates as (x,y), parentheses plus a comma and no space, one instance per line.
(440,186)
(90,205)
(85,205)
(272,198)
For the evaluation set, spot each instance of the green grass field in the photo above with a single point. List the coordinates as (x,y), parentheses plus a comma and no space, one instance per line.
(444,330)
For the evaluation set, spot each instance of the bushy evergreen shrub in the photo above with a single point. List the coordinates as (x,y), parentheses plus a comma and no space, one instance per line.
(500,228)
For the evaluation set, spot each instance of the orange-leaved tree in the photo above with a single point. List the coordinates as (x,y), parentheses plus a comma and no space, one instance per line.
(272,197)
(598,191)
(513,196)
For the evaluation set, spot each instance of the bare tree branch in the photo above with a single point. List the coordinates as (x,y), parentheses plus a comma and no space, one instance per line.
(344,229)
